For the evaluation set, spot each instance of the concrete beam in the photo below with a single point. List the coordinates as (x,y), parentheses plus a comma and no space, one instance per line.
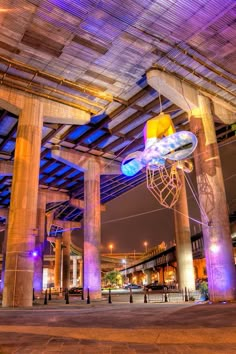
(13,101)
(54,196)
(177,91)
(67,224)
(71,158)
(186,96)
(54,112)
(79,161)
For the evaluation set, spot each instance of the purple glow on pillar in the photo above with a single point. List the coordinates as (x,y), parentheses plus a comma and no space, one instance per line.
(214,248)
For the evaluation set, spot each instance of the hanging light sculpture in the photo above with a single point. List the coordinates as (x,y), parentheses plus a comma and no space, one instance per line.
(165,152)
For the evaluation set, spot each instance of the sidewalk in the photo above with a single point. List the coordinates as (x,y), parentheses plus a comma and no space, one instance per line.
(119,328)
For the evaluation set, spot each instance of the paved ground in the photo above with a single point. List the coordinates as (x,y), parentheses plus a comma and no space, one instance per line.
(119,328)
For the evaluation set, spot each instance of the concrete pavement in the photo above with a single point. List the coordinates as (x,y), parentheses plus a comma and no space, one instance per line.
(119,328)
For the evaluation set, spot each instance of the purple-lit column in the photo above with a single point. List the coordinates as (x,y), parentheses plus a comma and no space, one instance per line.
(58,263)
(184,254)
(214,213)
(92,229)
(81,273)
(39,243)
(66,256)
(18,286)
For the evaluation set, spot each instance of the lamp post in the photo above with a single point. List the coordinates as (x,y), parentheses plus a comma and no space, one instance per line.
(145,245)
(124,263)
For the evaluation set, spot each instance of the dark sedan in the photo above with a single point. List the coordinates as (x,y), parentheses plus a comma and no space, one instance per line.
(76,291)
(156,286)
(132,286)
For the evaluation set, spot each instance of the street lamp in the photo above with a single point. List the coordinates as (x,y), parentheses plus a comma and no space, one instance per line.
(111,247)
(124,263)
(145,245)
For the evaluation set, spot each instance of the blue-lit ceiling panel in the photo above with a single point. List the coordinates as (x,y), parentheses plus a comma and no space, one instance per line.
(60,182)
(9,146)
(74,174)
(49,179)
(98,118)
(107,141)
(94,137)
(78,132)
(42,163)
(62,171)
(51,167)
(7,123)
(71,184)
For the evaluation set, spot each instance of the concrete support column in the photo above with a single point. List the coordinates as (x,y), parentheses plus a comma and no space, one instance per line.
(162,274)
(214,213)
(148,274)
(58,262)
(81,273)
(92,229)
(39,243)
(184,256)
(23,207)
(4,246)
(66,257)
(75,270)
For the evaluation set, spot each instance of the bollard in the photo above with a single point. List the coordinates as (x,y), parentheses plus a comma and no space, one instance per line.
(33,295)
(88,297)
(67,296)
(185,294)
(50,294)
(145,297)
(65,292)
(166,298)
(46,297)
(130,296)
(82,295)
(182,292)
(109,297)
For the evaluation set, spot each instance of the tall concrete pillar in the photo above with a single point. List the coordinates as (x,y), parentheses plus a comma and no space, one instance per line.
(214,213)
(58,263)
(39,243)
(92,229)
(4,246)
(74,270)
(148,274)
(66,256)
(81,273)
(23,207)
(162,274)
(184,256)
(92,168)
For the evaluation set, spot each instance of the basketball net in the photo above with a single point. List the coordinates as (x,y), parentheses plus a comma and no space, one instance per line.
(164,184)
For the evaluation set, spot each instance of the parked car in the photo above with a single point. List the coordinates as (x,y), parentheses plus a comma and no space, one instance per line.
(156,286)
(132,286)
(75,291)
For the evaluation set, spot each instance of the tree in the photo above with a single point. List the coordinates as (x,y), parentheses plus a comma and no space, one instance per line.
(112,277)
